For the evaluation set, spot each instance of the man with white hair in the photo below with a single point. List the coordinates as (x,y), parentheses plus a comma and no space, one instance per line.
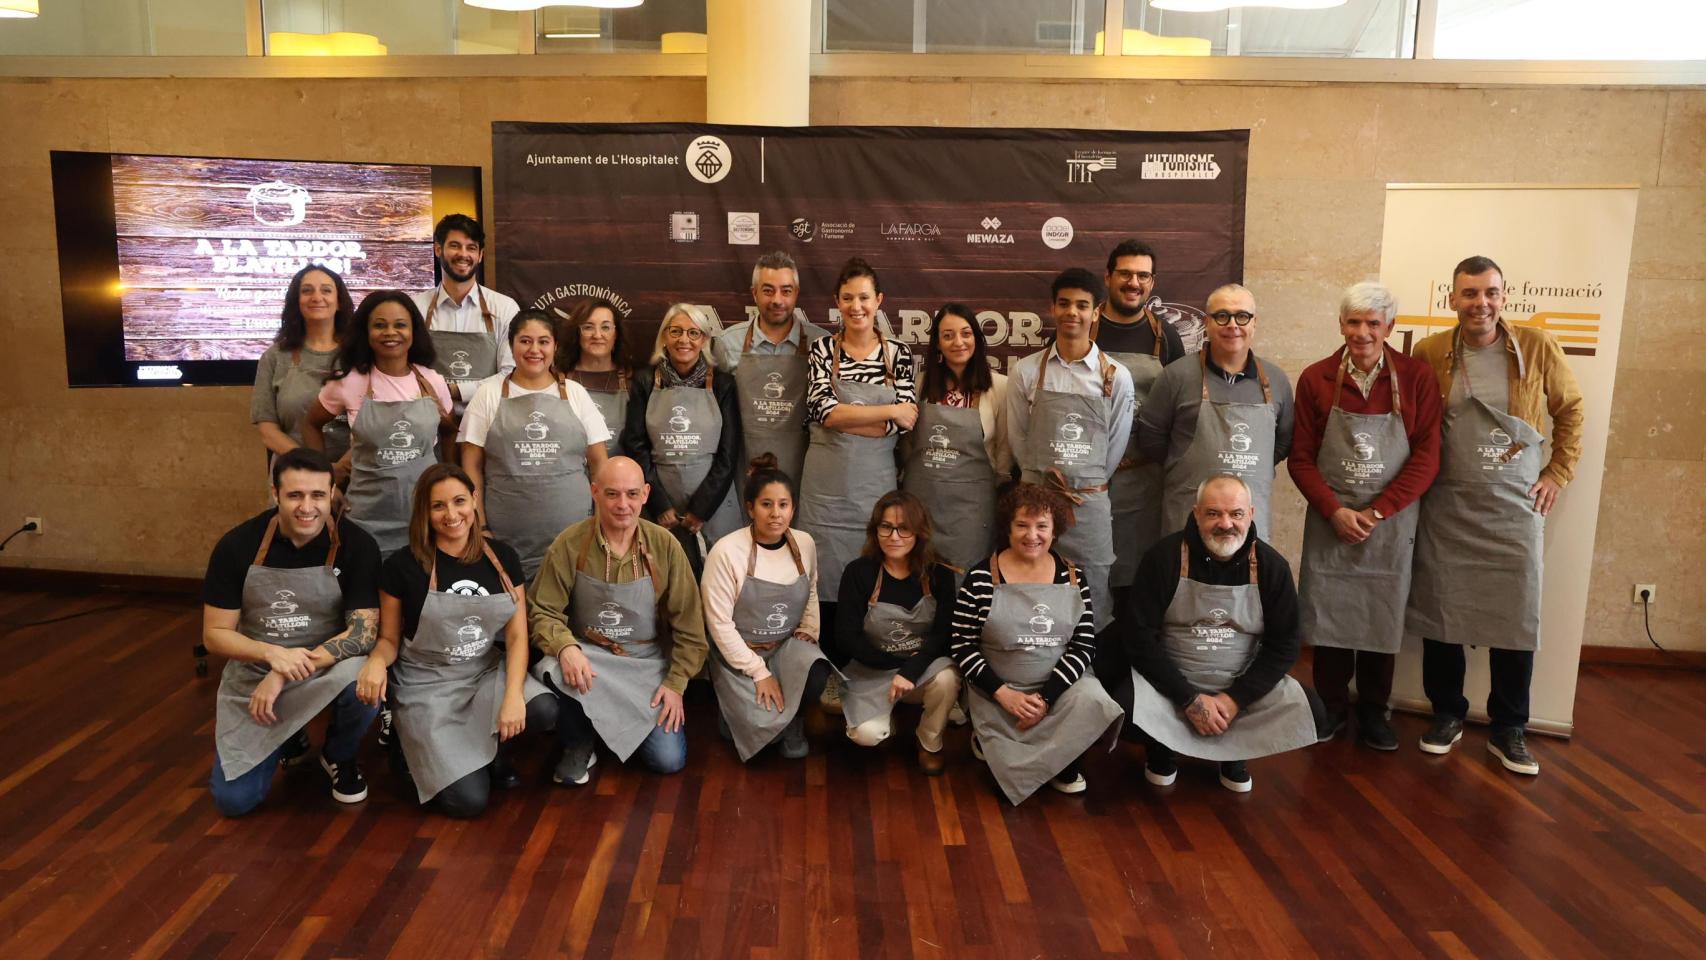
(1214,630)
(1222,411)
(1365,447)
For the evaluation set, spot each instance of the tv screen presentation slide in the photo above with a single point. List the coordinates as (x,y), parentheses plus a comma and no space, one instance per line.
(207,247)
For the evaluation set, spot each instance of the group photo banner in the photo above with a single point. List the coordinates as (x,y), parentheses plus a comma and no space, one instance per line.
(647,215)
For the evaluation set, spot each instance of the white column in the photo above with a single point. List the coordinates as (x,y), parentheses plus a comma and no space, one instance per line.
(758,62)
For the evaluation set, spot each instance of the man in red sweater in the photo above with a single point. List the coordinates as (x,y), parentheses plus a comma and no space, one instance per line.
(1364,448)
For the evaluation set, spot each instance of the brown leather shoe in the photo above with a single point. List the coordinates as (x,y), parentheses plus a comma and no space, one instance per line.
(930,763)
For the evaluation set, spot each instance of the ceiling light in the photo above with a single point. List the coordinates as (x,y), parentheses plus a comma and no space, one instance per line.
(324,45)
(1216,6)
(525,6)
(19,9)
(573,36)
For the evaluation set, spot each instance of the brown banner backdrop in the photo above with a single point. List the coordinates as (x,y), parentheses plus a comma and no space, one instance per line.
(652,214)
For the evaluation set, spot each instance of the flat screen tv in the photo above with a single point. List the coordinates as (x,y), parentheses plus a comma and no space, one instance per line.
(172,270)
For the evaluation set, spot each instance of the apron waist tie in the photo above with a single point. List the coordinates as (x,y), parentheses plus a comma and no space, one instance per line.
(1057,481)
(764,646)
(591,633)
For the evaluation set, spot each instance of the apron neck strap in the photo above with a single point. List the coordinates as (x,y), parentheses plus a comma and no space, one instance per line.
(1261,376)
(426,391)
(1391,374)
(1154,328)
(793,551)
(1185,563)
(272,531)
(746,344)
(492,558)
(840,344)
(562,389)
(479,297)
(882,571)
(995,569)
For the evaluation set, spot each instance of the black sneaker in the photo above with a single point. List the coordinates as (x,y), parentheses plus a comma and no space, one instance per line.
(574,767)
(385,732)
(1330,725)
(348,785)
(1234,777)
(504,776)
(1511,747)
(295,749)
(1442,736)
(1160,771)
(1375,731)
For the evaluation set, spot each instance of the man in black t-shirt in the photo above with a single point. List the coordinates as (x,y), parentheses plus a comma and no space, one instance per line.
(292,601)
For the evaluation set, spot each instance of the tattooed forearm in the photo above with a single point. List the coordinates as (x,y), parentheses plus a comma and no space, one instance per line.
(358,640)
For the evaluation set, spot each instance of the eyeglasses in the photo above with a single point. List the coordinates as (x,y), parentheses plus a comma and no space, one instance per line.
(1224,317)
(691,334)
(890,530)
(1124,276)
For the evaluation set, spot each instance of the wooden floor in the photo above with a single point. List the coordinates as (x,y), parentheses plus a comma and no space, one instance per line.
(109,845)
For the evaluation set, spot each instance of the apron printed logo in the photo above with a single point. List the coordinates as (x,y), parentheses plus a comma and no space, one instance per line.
(1364,448)
(609,617)
(1237,458)
(1071,429)
(402,438)
(773,388)
(1070,447)
(281,619)
(939,436)
(778,618)
(1213,631)
(460,367)
(679,423)
(901,639)
(283,604)
(1362,468)
(1040,620)
(1240,437)
(279,204)
(1498,450)
(536,428)
(471,640)
(1042,626)
(1498,436)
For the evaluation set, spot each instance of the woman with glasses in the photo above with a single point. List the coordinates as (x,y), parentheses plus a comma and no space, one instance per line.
(892,620)
(958,453)
(1223,412)
(684,430)
(1024,636)
(590,352)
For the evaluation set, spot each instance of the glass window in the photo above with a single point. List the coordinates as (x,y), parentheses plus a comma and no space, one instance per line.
(129,28)
(1356,28)
(396,27)
(669,26)
(961,26)
(1570,30)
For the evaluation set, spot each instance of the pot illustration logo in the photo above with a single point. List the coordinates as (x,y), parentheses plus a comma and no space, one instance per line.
(1499,437)
(1240,440)
(459,365)
(279,204)
(939,436)
(901,638)
(1071,429)
(778,617)
(402,438)
(470,631)
(1364,448)
(1218,617)
(1040,621)
(536,428)
(285,602)
(610,616)
(678,423)
(773,388)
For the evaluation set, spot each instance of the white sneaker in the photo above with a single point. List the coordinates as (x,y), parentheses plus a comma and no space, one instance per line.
(957,715)
(1076,785)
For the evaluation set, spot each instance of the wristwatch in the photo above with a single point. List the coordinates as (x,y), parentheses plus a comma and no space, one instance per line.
(1377,514)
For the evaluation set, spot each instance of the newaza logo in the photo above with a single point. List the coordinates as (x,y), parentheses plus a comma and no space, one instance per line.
(536,428)
(1363,449)
(1040,620)
(991,233)
(279,204)
(678,422)
(402,438)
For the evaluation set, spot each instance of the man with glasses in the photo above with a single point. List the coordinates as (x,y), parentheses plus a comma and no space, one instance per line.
(1223,412)
(768,359)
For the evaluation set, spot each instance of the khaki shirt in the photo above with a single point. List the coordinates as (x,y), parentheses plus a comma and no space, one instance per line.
(679,608)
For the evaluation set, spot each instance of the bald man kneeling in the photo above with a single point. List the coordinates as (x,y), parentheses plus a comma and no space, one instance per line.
(616,611)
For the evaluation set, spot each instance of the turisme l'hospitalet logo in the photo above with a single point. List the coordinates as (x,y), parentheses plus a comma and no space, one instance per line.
(709,159)
(1180,166)
(279,204)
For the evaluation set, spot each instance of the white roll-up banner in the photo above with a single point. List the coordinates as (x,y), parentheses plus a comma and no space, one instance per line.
(1564,250)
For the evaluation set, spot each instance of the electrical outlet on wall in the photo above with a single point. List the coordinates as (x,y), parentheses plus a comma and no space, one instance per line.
(1650,589)
(40,528)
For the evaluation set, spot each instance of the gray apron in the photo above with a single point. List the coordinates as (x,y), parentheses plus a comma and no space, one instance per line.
(894,630)
(613,406)
(394,442)
(464,357)
(536,482)
(291,608)
(845,476)
(685,425)
(1067,449)
(947,467)
(772,391)
(448,683)
(1134,491)
(1212,633)
(1236,438)
(295,388)
(1352,595)
(1026,634)
(1480,541)
(766,615)
(618,624)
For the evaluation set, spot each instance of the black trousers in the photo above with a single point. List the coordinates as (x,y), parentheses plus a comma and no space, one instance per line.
(1443,665)
(467,798)
(1334,667)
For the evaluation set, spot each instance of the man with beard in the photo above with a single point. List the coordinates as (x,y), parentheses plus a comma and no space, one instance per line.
(469,322)
(1214,630)
(768,358)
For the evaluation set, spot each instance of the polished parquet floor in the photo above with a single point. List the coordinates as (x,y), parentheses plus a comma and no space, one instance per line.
(110,847)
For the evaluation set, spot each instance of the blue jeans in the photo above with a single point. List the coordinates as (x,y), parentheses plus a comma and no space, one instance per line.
(660,752)
(350,720)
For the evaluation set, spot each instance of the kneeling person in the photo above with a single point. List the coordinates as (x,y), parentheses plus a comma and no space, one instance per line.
(616,612)
(455,700)
(291,598)
(1215,628)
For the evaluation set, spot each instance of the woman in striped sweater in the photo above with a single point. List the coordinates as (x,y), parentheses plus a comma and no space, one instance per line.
(1024,636)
